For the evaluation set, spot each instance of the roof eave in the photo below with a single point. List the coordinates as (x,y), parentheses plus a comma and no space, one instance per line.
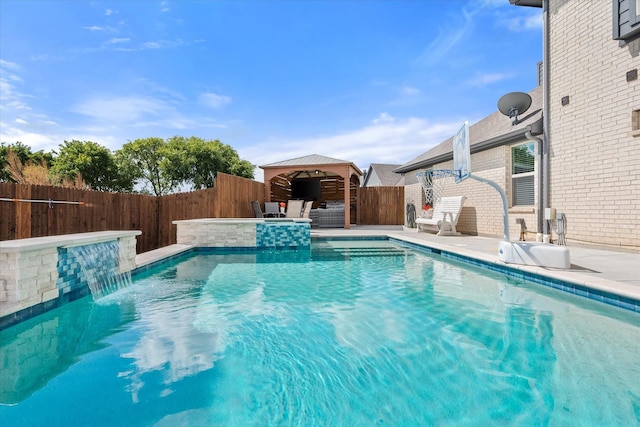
(496,141)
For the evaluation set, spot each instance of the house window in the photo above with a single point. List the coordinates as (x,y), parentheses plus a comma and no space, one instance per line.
(522,174)
(626,20)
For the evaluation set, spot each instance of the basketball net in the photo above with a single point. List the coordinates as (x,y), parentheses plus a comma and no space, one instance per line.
(433,183)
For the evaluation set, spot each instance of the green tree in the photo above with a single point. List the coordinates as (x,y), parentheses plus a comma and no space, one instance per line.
(94,163)
(24,155)
(146,160)
(196,162)
(192,162)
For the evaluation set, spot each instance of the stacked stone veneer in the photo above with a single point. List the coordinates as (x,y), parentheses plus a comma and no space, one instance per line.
(243,233)
(30,271)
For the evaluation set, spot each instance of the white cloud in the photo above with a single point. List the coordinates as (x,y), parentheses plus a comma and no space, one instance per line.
(10,65)
(213,100)
(483,79)
(12,97)
(94,28)
(19,121)
(121,109)
(46,57)
(385,140)
(410,91)
(161,44)
(151,45)
(36,140)
(524,23)
(118,40)
(382,118)
(447,39)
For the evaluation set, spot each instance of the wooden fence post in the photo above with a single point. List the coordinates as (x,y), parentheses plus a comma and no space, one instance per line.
(23,212)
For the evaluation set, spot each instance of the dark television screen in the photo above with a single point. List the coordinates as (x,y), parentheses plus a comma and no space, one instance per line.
(307,189)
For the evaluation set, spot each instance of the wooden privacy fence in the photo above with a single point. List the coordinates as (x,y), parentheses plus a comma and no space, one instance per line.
(100,211)
(230,198)
(381,205)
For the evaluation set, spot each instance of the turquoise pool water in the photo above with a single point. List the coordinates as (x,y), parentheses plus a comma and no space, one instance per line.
(357,333)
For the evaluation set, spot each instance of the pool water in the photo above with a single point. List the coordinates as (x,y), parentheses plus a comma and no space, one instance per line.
(353,333)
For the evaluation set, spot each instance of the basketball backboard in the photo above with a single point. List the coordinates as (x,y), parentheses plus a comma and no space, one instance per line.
(462,153)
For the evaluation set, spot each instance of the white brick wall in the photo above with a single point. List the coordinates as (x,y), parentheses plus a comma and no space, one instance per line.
(413,194)
(482,213)
(595,159)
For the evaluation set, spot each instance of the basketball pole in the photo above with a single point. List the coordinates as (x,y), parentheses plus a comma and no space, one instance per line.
(503,196)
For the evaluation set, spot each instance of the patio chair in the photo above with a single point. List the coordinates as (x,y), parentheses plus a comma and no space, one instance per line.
(257,211)
(272,209)
(294,208)
(447,206)
(307,208)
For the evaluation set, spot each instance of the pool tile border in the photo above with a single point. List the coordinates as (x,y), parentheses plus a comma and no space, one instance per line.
(43,307)
(562,285)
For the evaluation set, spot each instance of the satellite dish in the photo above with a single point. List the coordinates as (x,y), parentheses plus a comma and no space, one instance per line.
(513,104)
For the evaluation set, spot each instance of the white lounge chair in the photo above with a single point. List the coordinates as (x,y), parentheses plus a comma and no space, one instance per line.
(447,207)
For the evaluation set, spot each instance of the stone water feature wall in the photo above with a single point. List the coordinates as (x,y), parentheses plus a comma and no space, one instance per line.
(38,274)
(244,233)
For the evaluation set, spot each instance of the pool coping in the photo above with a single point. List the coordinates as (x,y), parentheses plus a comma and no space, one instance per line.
(607,291)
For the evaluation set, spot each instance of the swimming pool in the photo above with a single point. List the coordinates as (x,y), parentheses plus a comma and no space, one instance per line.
(344,333)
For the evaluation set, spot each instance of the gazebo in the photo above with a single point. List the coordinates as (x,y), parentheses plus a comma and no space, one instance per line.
(315,177)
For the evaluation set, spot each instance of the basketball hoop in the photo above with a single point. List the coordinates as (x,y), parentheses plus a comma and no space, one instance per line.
(433,183)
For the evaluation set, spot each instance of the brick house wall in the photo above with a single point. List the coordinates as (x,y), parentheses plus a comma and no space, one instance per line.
(413,194)
(595,154)
(482,213)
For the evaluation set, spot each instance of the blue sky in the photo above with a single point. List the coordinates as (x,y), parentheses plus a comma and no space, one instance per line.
(369,81)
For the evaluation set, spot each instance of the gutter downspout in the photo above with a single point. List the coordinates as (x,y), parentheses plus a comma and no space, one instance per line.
(546,108)
(540,213)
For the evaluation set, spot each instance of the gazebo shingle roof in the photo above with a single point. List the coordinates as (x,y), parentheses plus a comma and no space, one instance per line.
(312,159)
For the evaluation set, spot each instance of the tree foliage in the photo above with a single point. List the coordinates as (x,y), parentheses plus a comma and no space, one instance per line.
(146,159)
(190,162)
(197,162)
(94,163)
(152,164)
(23,157)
